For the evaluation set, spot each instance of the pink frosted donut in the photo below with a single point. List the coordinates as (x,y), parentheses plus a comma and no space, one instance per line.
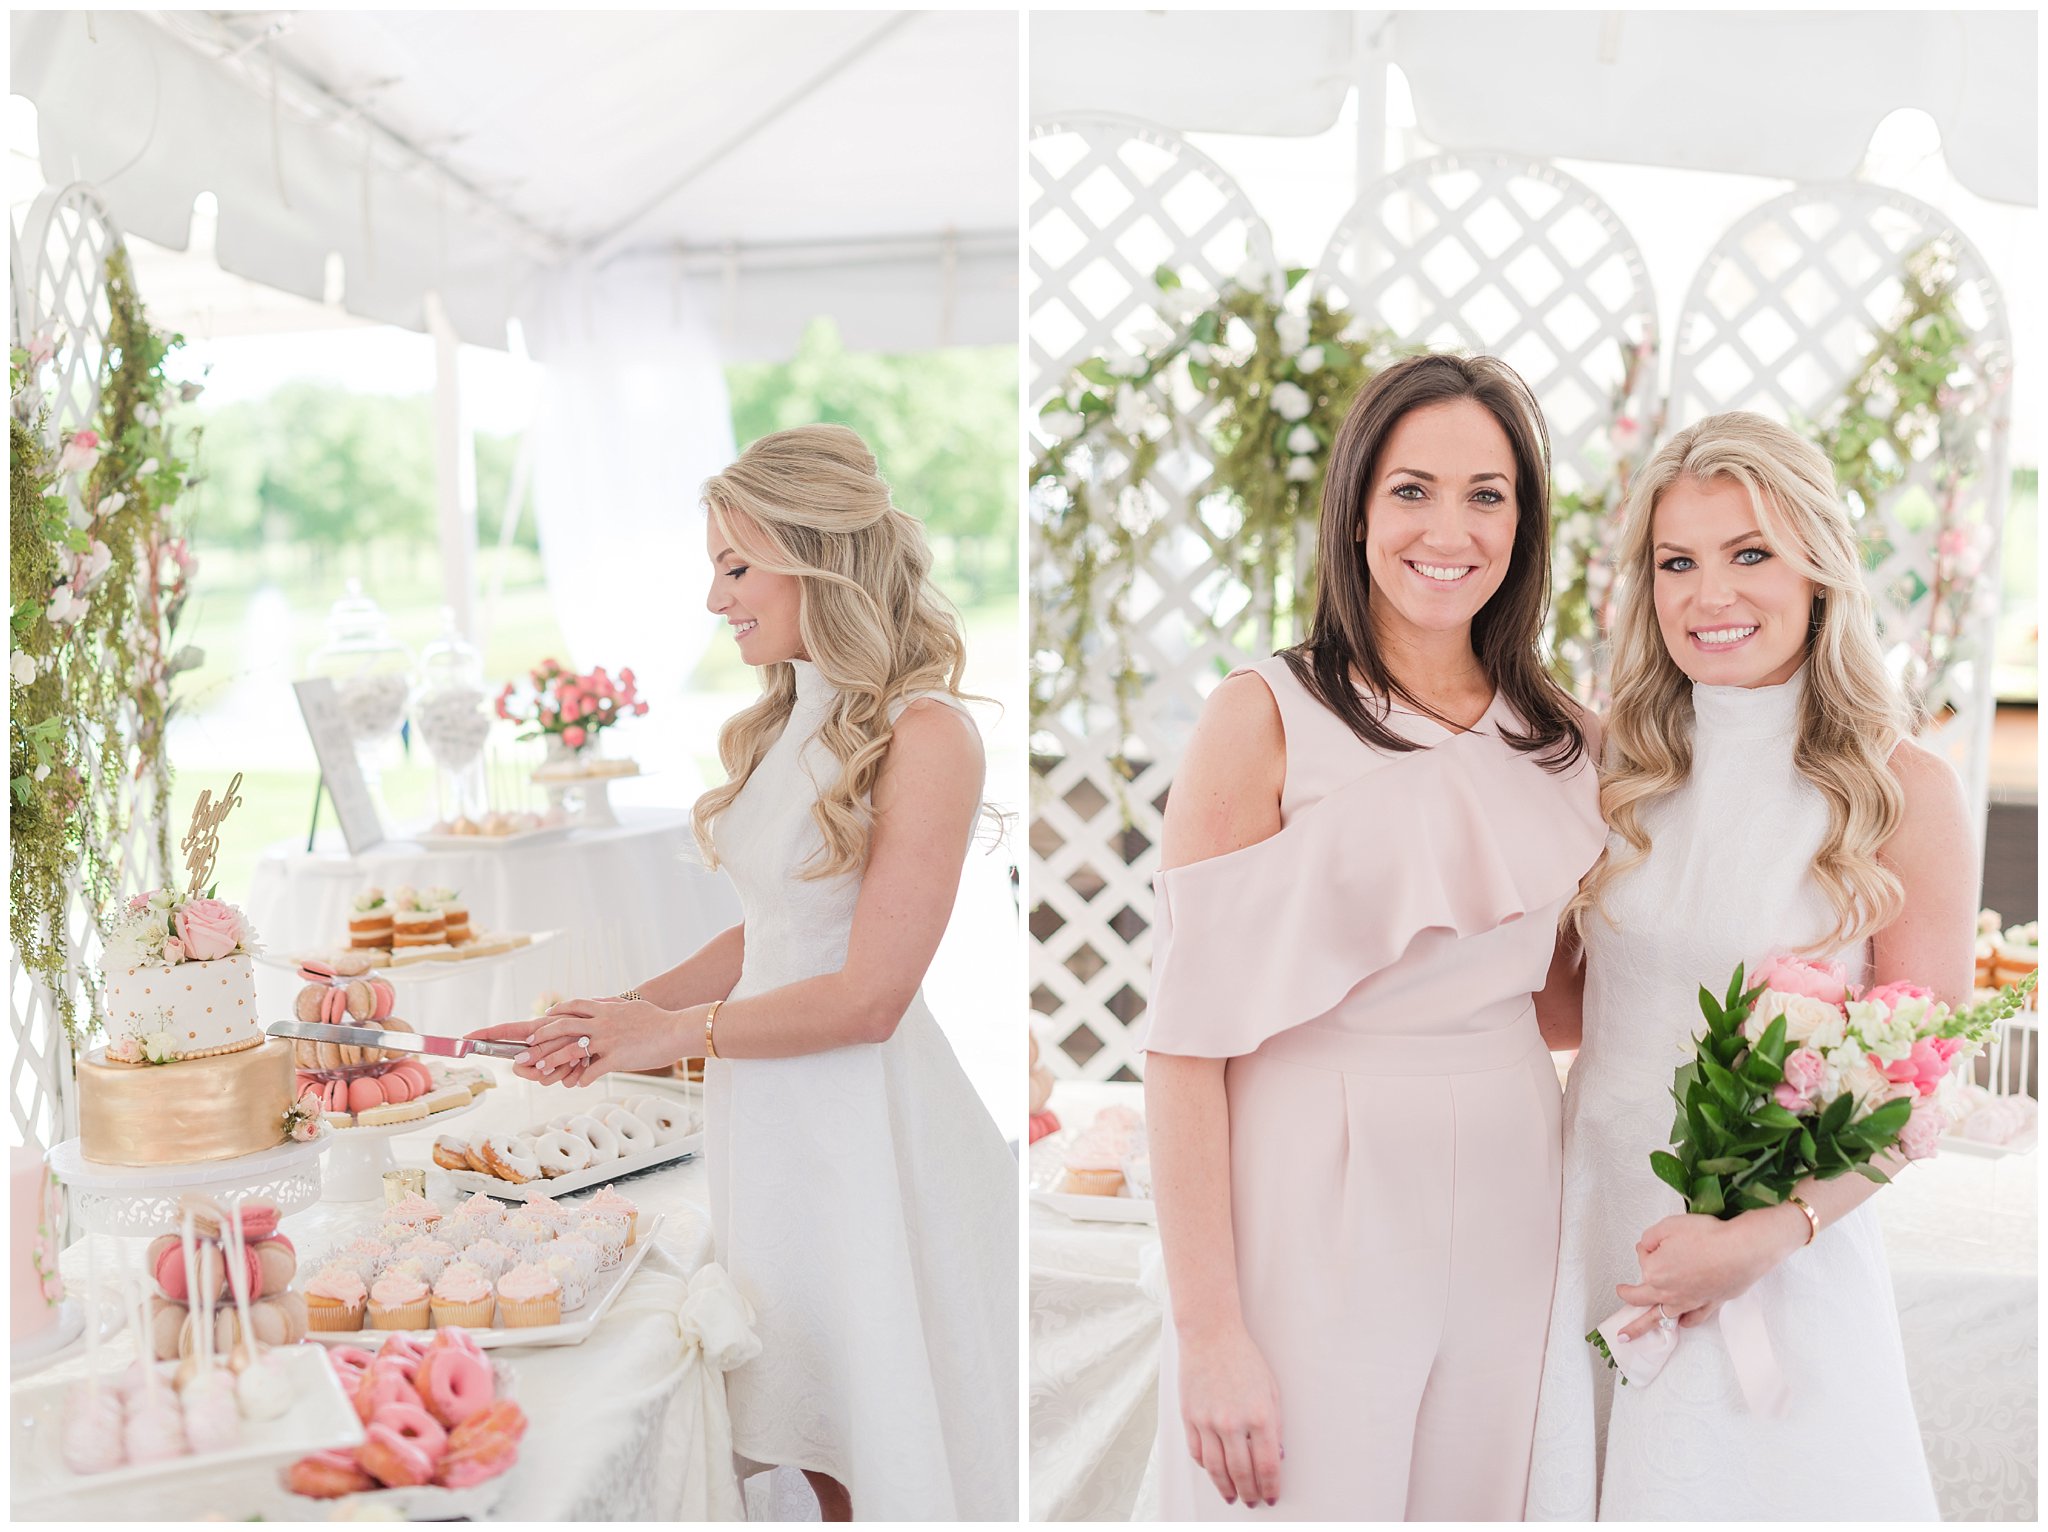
(392,1460)
(365,1092)
(349,1364)
(380,1387)
(457,1337)
(402,1348)
(454,1385)
(397,1086)
(415,1425)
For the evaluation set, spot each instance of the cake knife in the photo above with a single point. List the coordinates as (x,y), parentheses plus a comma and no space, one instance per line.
(397,1042)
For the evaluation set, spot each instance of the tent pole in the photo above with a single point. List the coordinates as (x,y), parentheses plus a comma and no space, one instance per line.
(454,474)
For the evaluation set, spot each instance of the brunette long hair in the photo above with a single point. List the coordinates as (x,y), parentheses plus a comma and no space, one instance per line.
(1506,632)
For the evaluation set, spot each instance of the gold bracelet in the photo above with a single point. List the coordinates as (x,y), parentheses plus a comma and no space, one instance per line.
(1812,1218)
(710,1017)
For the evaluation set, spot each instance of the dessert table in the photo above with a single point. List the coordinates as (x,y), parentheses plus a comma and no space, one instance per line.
(630,901)
(1960,1235)
(613,1422)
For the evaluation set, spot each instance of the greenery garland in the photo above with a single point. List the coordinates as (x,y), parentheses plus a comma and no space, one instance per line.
(1242,382)
(96,588)
(1915,394)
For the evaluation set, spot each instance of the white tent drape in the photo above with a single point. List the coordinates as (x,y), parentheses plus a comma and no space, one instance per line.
(633,418)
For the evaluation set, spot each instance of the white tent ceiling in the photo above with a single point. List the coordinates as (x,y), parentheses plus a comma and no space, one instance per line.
(854,163)
(1789,95)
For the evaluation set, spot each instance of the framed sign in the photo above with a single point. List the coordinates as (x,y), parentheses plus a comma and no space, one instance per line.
(340,772)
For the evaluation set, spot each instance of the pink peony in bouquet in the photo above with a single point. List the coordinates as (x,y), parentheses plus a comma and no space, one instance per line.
(1801,1076)
(576,707)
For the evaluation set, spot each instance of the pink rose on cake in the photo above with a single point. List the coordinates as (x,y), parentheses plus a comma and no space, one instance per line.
(209,928)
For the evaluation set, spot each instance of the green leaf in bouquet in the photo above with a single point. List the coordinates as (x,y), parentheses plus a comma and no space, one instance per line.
(1669,1170)
(1723,1084)
(1712,1121)
(1709,1006)
(1760,1071)
(1734,990)
(1870,1172)
(1806,1148)
(1884,1123)
(1724,1165)
(1772,1044)
(1836,1115)
(1705,1196)
(1757,1195)
(1771,1115)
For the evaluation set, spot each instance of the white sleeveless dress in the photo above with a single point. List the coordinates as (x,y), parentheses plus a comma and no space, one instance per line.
(863,1200)
(1726,882)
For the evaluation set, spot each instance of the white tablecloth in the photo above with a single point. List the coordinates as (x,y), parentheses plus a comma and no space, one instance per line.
(604,1415)
(630,901)
(1960,1234)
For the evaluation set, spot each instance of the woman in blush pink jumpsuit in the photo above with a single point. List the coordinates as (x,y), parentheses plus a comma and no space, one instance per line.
(1344,988)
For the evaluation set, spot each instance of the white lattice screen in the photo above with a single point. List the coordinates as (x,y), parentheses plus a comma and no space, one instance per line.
(60,283)
(1512,258)
(1782,317)
(1468,252)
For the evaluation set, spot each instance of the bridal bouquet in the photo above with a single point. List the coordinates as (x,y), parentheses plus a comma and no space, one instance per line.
(1801,1076)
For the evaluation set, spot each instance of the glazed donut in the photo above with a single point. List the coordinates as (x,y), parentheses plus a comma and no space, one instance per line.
(635,1137)
(602,1140)
(554,1124)
(475,1150)
(449,1153)
(412,1422)
(483,1446)
(507,1162)
(454,1384)
(668,1120)
(392,1460)
(562,1153)
(329,1475)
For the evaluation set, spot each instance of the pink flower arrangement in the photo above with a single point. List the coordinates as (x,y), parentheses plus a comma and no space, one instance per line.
(575,706)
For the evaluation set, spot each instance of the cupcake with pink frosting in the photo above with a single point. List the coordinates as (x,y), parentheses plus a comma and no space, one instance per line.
(432,1254)
(491,1257)
(399,1301)
(335,1299)
(611,1203)
(412,1208)
(528,1295)
(462,1296)
(364,1256)
(569,1272)
(608,1233)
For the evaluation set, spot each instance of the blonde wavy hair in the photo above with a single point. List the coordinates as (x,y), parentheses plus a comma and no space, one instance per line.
(810,502)
(1852,715)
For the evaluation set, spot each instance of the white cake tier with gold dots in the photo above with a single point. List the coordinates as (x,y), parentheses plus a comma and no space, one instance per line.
(191,1010)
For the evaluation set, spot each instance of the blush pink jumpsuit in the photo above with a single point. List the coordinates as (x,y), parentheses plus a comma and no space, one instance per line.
(1395,1136)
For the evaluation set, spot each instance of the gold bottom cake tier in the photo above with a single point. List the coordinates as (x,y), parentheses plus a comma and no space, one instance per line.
(186,1113)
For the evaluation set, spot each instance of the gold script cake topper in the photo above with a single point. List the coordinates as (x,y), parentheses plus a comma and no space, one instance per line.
(202,842)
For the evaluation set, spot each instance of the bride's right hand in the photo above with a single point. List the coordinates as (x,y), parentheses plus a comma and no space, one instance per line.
(1230,1408)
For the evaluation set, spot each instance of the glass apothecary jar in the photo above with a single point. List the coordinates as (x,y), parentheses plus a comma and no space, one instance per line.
(452,717)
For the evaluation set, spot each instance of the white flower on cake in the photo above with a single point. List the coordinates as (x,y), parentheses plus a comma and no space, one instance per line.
(371,900)
(160,1046)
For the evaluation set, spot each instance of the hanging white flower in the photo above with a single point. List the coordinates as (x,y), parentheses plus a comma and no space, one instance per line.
(23,667)
(1060,424)
(65,606)
(1125,366)
(1199,353)
(1130,412)
(1291,401)
(1303,439)
(1310,360)
(145,414)
(149,465)
(1300,470)
(112,503)
(42,773)
(1292,330)
(81,516)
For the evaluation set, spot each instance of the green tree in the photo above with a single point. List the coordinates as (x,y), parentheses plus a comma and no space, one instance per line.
(943,426)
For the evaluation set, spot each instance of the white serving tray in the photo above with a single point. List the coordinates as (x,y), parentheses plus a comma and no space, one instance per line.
(1047,1167)
(686,1147)
(321,1417)
(572,1331)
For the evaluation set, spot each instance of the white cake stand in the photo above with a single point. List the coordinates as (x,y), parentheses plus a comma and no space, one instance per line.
(358,1157)
(25,1356)
(142,1200)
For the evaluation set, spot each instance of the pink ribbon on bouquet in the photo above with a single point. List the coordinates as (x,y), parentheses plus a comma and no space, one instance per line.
(1749,1349)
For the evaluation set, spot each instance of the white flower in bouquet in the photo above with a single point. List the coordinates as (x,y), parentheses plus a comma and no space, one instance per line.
(1291,401)
(1292,329)
(1861,1079)
(1888,1033)
(1310,359)
(1809,1023)
(1303,440)
(1300,470)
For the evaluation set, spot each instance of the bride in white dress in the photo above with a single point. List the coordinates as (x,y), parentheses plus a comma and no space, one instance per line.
(862,1197)
(1763,794)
